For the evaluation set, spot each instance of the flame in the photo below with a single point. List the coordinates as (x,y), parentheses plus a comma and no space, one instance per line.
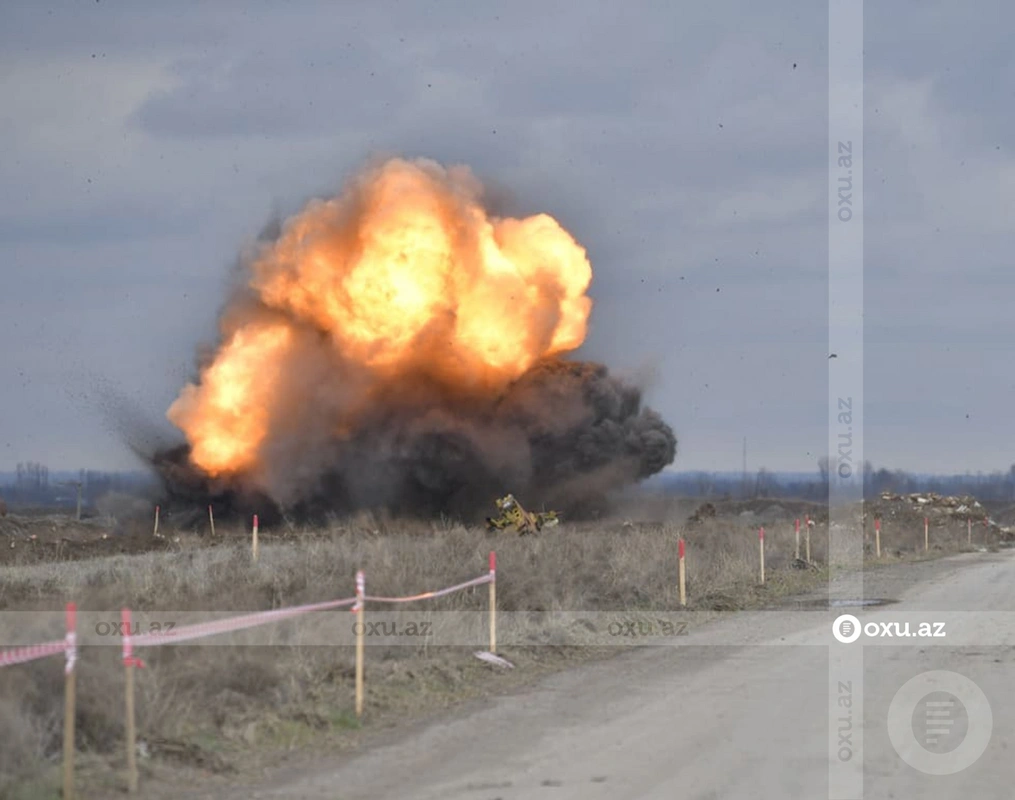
(226,417)
(403,273)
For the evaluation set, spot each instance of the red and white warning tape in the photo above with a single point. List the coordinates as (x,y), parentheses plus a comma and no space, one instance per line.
(439,593)
(202,629)
(34,652)
(21,655)
(31,652)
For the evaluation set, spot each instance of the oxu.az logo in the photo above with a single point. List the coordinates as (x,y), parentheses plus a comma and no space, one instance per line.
(848,629)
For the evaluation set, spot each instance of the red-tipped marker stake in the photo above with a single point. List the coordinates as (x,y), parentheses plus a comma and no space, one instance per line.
(682,573)
(360,632)
(877,537)
(796,532)
(253,540)
(72,630)
(761,549)
(129,662)
(493,601)
(926,534)
(69,703)
(156,531)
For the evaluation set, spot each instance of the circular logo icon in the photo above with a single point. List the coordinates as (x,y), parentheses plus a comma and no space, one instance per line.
(846,628)
(940,722)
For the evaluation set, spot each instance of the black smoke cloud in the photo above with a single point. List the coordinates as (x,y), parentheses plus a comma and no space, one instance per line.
(562,436)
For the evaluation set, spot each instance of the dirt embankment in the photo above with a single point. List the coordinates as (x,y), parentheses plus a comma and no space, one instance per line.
(30,539)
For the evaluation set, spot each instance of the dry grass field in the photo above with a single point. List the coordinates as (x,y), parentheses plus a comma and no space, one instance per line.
(218,710)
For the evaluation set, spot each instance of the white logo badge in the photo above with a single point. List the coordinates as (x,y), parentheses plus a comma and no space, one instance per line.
(925,722)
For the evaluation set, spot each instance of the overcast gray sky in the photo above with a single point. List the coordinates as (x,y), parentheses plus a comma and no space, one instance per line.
(684,144)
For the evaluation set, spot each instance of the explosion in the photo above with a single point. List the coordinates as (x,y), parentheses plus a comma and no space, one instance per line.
(398,346)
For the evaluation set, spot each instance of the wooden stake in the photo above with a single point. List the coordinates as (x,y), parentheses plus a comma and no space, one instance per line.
(926,534)
(156,531)
(969,531)
(360,634)
(761,549)
(682,574)
(131,732)
(796,551)
(253,540)
(211,520)
(877,538)
(69,701)
(807,538)
(493,601)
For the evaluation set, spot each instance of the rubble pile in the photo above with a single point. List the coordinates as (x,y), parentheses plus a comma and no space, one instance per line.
(937,509)
(932,504)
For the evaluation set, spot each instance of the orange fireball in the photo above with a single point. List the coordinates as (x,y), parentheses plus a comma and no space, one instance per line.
(404,273)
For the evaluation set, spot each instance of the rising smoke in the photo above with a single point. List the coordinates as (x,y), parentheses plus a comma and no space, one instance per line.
(395,347)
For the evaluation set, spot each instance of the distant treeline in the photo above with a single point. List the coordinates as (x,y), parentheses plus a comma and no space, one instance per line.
(33,484)
(995,486)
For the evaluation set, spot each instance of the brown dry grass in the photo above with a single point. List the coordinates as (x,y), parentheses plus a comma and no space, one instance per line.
(208,706)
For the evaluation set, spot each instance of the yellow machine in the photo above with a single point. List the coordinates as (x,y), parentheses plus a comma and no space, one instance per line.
(524,521)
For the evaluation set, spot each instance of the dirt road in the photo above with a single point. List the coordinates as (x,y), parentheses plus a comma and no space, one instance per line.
(763,705)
